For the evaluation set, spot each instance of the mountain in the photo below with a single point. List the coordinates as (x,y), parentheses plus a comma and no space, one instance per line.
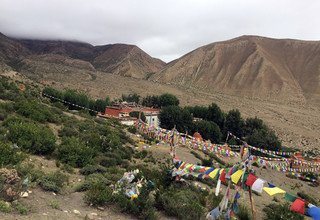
(41,56)
(250,66)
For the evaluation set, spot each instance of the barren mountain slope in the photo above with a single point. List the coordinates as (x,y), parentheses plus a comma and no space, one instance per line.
(121,59)
(251,66)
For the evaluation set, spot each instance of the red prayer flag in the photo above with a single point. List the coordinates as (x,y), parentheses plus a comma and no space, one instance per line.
(223,176)
(251,179)
(298,206)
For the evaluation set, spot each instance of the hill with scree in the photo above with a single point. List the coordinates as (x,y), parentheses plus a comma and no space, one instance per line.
(38,56)
(250,66)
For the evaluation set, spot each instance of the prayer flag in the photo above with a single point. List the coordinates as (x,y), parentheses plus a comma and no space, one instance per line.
(274,190)
(298,206)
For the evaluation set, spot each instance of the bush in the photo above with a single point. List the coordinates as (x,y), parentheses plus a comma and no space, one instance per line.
(21,208)
(9,156)
(182,203)
(308,198)
(53,181)
(5,207)
(90,169)
(31,137)
(244,213)
(275,211)
(29,170)
(98,195)
(74,152)
(132,129)
(92,180)
(36,111)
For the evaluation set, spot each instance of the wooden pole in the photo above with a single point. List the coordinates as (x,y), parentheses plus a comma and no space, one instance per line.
(252,205)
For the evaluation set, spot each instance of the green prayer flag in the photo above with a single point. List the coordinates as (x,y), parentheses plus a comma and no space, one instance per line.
(290,197)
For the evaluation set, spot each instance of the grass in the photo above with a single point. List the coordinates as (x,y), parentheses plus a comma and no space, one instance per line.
(54,204)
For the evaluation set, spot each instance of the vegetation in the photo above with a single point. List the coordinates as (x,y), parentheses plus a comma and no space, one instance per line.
(275,211)
(53,181)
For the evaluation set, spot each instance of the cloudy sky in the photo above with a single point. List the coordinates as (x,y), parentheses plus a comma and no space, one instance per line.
(165,29)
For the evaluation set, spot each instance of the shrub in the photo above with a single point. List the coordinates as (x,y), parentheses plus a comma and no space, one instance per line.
(5,207)
(182,203)
(275,211)
(132,129)
(91,180)
(90,169)
(54,204)
(53,181)
(21,208)
(9,156)
(36,111)
(31,137)
(98,195)
(244,213)
(74,152)
(308,198)
(29,170)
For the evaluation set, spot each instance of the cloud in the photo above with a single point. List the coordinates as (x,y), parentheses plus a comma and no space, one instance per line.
(165,29)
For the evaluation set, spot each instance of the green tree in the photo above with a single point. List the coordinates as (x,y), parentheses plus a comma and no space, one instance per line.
(53,92)
(151,101)
(74,97)
(253,124)
(216,115)
(168,99)
(131,98)
(264,138)
(198,111)
(209,130)
(174,115)
(234,123)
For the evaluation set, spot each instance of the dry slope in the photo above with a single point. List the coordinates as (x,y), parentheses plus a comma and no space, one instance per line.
(251,66)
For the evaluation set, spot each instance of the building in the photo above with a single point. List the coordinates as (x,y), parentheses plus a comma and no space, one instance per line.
(121,111)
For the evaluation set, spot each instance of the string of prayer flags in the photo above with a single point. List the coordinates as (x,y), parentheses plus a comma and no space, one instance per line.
(273,190)
(298,206)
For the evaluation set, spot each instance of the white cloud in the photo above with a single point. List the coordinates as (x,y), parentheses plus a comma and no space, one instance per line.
(165,29)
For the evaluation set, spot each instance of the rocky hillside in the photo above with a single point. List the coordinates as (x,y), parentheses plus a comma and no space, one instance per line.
(42,56)
(250,66)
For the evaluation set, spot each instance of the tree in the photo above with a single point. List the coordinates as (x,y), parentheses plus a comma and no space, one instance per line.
(131,98)
(198,111)
(100,105)
(174,115)
(209,130)
(168,99)
(253,124)
(74,97)
(234,123)
(216,115)
(264,138)
(151,101)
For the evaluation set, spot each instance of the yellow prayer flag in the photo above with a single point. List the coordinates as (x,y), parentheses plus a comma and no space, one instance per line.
(214,173)
(236,176)
(274,190)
